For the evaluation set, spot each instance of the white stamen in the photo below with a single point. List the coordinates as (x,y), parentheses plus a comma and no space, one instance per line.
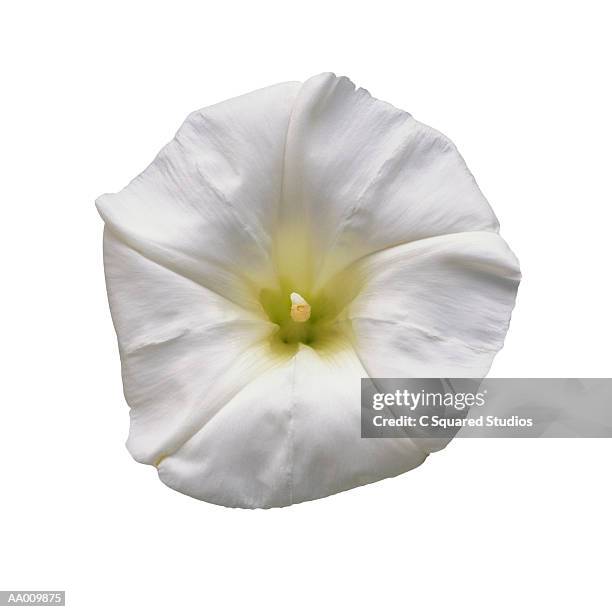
(300,308)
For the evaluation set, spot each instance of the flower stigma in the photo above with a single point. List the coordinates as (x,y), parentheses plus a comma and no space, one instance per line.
(300,308)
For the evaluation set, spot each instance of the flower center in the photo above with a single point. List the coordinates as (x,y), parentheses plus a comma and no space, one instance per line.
(300,319)
(308,306)
(314,318)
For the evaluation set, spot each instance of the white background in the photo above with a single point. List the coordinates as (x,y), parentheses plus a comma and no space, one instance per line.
(90,92)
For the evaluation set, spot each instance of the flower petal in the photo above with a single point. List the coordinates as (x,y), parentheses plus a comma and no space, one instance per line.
(206,206)
(438,307)
(334,457)
(184,349)
(363,176)
(268,447)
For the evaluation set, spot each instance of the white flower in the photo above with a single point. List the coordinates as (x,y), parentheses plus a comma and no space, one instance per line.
(284,245)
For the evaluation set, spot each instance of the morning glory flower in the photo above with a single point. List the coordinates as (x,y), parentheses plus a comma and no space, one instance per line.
(284,245)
